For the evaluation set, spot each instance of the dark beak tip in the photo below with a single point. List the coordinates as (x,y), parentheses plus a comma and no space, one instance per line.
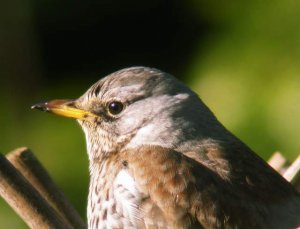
(40,106)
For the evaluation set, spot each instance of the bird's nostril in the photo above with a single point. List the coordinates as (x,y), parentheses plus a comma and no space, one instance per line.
(71,104)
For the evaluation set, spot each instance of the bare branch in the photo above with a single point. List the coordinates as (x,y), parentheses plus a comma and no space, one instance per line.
(25,200)
(25,161)
(278,162)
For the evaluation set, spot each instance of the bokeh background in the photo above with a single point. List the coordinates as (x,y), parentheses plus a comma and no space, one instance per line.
(242,58)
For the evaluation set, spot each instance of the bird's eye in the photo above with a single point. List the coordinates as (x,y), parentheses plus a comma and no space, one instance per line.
(115,107)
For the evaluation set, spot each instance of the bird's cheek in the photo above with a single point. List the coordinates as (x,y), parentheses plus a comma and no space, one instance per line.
(129,124)
(129,121)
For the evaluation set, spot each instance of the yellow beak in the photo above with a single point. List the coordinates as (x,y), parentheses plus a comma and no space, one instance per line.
(64,108)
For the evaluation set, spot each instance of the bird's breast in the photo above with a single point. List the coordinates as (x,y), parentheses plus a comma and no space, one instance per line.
(114,203)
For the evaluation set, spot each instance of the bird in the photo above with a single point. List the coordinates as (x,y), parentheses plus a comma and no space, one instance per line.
(159,158)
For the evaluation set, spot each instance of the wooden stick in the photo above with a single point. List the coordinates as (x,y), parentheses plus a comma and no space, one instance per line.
(25,200)
(293,172)
(25,161)
(278,162)
(290,172)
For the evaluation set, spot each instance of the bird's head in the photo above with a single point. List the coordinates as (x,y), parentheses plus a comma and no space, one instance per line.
(134,107)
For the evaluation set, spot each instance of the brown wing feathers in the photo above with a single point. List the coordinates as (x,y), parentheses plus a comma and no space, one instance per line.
(192,195)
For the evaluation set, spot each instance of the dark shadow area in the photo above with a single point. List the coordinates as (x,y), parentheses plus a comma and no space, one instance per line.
(98,37)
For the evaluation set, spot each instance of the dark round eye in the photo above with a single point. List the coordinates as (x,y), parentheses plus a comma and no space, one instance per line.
(115,107)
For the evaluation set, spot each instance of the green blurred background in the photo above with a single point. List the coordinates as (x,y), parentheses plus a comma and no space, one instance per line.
(242,58)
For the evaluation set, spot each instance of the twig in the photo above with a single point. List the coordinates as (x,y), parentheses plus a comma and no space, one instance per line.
(25,200)
(293,172)
(25,161)
(278,162)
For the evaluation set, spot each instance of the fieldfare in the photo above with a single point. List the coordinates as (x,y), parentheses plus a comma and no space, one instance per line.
(159,158)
